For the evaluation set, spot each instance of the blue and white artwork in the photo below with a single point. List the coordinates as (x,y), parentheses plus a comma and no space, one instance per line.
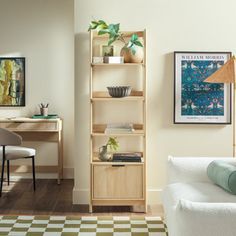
(195,100)
(200,98)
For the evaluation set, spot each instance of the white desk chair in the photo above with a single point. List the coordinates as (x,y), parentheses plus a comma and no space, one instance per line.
(10,150)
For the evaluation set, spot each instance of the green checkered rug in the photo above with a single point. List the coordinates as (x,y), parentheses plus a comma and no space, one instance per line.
(82,226)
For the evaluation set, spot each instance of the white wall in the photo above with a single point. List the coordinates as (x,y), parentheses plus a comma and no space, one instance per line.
(171,26)
(43,32)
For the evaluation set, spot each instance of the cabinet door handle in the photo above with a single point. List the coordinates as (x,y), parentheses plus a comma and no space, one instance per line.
(118,165)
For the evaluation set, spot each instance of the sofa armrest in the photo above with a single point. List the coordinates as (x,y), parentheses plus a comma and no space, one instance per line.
(196,218)
(190,169)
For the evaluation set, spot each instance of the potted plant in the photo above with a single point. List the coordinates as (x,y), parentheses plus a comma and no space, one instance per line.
(133,48)
(105,151)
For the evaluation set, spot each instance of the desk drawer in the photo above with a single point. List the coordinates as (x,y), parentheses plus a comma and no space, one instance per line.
(30,126)
(118,182)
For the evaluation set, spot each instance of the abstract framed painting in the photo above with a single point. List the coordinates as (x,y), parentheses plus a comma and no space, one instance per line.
(12,81)
(195,101)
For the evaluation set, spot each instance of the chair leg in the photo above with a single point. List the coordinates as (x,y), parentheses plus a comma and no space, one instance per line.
(2,173)
(8,172)
(33,170)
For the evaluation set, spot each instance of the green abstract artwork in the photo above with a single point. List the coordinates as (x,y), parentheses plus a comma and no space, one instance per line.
(12,81)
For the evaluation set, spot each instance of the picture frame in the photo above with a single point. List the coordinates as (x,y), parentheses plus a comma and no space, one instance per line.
(12,81)
(195,101)
(107,51)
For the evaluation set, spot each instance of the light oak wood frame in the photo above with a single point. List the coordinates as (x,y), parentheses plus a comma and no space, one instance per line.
(38,130)
(97,130)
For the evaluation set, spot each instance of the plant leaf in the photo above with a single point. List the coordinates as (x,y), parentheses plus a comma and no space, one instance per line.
(103,31)
(111,40)
(130,44)
(102,22)
(92,25)
(133,50)
(134,37)
(138,43)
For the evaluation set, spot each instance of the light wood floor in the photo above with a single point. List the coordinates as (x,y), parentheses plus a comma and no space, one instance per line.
(52,199)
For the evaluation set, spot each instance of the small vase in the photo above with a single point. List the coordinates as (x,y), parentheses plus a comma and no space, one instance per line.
(103,155)
(129,57)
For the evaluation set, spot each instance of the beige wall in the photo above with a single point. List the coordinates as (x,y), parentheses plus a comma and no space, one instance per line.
(43,32)
(171,26)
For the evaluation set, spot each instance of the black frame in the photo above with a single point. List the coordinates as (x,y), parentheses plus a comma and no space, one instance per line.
(23,60)
(230,95)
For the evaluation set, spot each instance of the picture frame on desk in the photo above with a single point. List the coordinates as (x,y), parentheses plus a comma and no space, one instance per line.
(12,81)
(195,101)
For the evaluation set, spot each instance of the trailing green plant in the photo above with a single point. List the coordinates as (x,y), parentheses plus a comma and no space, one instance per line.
(113,30)
(112,144)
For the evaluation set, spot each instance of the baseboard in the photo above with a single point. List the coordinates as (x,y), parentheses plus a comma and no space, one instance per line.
(81,196)
(154,196)
(68,173)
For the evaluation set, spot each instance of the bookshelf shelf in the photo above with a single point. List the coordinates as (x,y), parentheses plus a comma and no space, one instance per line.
(106,175)
(116,64)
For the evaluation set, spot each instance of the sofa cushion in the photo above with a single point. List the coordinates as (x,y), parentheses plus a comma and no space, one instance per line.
(223,174)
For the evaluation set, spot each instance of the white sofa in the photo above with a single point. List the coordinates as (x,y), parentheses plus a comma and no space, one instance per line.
(193,205)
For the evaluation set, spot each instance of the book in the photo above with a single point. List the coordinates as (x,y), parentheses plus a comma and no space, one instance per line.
(50,116)
(120,125)
(120,128)
(126,157)
(118,131)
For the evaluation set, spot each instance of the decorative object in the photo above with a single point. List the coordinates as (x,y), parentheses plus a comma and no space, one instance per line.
(44,109)
(226,75)
(97,60)
(107,51)
(119,91)
(197,102)
(85,225)
(133,48)
(129,57)
(114,60)
(12,81)
(112,145)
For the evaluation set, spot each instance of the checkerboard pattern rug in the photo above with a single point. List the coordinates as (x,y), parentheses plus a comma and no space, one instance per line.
(82,226)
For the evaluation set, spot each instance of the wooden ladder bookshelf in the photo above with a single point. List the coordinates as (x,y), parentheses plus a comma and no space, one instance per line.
(117,183)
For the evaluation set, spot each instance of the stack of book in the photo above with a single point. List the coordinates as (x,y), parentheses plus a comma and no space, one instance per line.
(119,129)
(127,157)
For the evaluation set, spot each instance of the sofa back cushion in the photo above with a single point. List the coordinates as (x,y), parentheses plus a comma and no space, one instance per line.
(191,169)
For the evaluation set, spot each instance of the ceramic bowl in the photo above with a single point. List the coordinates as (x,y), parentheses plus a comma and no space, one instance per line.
(119,91)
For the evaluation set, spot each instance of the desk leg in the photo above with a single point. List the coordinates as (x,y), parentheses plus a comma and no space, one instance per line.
(60,157)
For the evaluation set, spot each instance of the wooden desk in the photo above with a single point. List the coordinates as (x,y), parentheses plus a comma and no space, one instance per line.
(47,130)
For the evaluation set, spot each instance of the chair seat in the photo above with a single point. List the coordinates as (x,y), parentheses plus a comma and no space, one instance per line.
(17,152)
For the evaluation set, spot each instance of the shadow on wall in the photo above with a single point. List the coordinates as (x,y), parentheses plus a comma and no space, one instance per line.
(82,109)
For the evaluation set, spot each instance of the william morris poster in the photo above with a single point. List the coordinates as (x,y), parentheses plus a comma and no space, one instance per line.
(195,100)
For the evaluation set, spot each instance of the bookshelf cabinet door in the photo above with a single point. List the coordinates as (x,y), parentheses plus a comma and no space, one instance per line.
(118,182)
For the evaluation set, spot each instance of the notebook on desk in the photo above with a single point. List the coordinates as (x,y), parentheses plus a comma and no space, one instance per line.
(50,116)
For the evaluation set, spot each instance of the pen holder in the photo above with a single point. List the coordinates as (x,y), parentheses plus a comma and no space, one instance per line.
(44,111)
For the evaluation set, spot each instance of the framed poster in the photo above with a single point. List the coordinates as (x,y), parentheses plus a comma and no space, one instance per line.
(195,101)
(12,81)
